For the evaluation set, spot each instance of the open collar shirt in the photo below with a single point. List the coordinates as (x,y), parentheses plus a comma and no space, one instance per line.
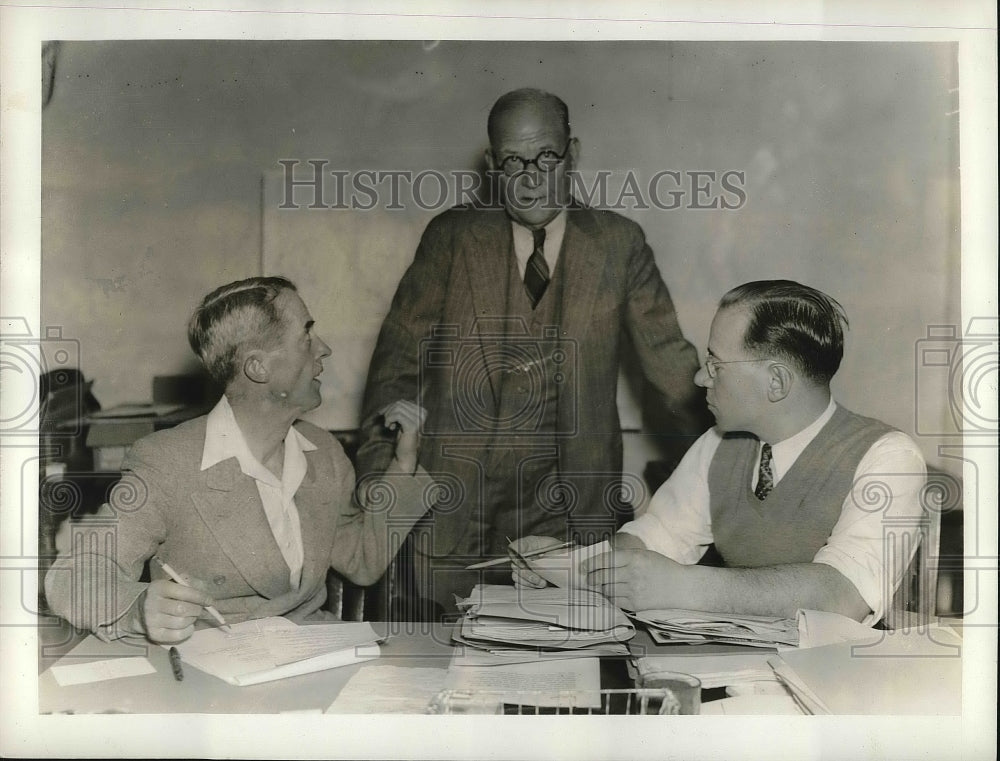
(224,439)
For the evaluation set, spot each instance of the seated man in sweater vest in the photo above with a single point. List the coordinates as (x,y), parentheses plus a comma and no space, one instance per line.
(781,485)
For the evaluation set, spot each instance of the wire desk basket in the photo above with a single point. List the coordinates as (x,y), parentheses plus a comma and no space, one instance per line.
(650,701)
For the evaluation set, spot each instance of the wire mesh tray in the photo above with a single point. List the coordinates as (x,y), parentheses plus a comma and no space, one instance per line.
(648,701)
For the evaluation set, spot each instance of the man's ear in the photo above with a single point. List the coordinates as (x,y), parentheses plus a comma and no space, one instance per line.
(491,163)
(573,154)
(780,381)
(255,367)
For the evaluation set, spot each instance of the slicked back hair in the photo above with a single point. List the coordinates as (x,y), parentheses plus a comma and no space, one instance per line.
(793,322)
(525,95)
(234,318)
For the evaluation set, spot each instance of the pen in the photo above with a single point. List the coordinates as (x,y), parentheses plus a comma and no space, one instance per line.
(533,553)
(176,577)
(175,664)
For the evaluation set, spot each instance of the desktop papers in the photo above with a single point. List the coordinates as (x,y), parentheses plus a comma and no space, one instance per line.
(498,616)
(389,689)
(266,649)
(676,625)
(67,674)
(574,682)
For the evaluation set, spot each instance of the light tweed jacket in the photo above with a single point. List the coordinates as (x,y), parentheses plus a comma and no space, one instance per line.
(211,525)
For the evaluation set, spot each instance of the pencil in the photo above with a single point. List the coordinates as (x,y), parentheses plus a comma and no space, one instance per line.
(175,664)
(533,553)
(211,610)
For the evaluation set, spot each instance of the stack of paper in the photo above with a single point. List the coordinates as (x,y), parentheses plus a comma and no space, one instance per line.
(266,649)
(693,626)
(506,621)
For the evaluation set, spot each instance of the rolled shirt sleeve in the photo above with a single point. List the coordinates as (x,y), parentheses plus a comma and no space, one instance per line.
(877,533)
(678,521)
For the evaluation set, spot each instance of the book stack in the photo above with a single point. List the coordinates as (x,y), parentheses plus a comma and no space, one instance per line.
(504,623)
(696,627)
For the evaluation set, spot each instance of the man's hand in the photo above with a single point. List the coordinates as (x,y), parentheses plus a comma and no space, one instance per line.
(638,579)
(522,575)
(167,610)
(406,418)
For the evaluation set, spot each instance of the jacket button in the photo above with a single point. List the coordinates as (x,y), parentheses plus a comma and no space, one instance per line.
(220,580)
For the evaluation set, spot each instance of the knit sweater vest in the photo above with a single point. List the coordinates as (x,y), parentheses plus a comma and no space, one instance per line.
(797,517)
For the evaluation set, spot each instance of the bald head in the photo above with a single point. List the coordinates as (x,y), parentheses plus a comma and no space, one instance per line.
(510,105)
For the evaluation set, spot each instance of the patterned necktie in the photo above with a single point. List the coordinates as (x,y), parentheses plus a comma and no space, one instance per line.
(536,273)
(765,478)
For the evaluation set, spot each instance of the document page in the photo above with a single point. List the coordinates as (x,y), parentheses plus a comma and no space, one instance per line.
(260,646)
(543,683)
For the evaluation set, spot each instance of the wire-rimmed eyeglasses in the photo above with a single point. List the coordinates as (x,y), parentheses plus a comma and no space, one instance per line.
(711,363)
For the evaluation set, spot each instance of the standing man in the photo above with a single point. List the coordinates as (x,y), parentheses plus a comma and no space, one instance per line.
(508,329)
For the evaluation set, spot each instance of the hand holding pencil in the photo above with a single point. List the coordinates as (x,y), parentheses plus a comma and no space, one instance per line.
(532,546)
(169,607)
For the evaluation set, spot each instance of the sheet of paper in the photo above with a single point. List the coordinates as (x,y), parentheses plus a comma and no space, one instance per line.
(259,646)
(563,568)
(546,683)
(389,689)
(818,628)
(98,671)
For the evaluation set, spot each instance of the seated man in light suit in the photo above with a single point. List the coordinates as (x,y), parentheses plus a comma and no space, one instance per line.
(249,504)
(777,485)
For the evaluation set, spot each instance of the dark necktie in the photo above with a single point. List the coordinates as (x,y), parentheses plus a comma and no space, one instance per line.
(765,478)
(536,273)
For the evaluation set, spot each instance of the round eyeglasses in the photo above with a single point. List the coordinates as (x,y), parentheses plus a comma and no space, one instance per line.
(547,161)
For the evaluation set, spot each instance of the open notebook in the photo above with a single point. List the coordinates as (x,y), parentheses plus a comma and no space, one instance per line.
(267,649)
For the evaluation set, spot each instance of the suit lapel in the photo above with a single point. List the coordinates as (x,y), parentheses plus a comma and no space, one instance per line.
(487,259)
(583,268)
(314,500)
(230,505)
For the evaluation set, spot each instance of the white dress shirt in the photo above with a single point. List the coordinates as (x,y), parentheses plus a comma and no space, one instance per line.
(224,439)
(678,522)
(524,242)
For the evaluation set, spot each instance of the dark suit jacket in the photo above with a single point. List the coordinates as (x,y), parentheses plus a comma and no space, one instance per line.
(611,286)
(211,525)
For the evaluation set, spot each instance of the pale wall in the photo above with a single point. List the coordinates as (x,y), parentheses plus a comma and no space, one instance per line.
(153,154)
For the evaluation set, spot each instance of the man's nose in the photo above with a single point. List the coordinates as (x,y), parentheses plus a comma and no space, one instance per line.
(702,378)
(322,349)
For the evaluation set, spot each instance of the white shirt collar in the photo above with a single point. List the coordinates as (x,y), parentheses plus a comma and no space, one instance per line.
(786,452)
(524,242)
(224,439)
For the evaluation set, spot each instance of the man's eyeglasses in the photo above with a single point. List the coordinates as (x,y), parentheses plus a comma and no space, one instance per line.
(547,161)
(711,364)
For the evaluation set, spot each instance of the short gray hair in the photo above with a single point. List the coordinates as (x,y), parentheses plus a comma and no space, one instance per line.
(240,315)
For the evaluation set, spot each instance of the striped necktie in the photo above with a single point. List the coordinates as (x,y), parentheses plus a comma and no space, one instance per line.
(765,478)
(536,272)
